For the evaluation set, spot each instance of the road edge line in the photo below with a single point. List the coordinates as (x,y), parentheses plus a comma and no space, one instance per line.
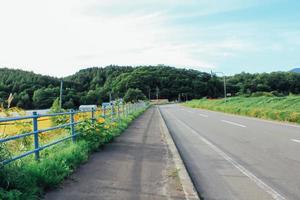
(186,181)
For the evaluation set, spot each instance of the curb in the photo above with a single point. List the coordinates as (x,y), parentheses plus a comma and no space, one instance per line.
(186,182)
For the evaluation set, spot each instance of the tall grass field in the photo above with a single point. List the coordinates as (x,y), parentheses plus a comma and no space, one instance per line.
(285,109)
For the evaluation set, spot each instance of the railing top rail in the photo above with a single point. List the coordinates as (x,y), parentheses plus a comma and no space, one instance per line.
(53,114)
(8,119)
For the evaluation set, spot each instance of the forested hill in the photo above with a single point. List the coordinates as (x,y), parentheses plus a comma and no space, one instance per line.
(23,85)
(96,83)
(92,85)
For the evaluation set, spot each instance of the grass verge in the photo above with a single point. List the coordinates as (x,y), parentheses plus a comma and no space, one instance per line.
(285,109)
(29,179)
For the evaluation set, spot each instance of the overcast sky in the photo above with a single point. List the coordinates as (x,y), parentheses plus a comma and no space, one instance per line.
(59,37)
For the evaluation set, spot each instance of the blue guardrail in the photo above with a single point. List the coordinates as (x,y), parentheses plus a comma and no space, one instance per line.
(34,117)
(126,109)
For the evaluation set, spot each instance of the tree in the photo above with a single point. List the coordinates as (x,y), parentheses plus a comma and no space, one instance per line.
(23,100)
(55,108)
(43,98)
(69,104)
(134,95)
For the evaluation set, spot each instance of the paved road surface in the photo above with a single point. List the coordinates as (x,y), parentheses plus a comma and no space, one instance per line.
(233,157)
(137,165)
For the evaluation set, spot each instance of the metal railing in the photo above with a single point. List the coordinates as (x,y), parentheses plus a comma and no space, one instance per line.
(115,114)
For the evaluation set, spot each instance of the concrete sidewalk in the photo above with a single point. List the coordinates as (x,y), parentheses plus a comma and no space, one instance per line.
(137,165)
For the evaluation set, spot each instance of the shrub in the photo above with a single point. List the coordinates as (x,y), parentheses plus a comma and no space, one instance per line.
(134,95)
(261,94)
(55,108)
(93,133)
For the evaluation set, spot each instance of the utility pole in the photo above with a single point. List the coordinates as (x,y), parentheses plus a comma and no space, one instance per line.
(225,92)
(224,82)
(110,96)
(60,94)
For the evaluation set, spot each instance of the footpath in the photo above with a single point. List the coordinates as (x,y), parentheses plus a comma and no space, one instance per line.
(137,165)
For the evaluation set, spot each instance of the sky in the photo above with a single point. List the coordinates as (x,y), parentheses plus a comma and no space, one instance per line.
(60,37)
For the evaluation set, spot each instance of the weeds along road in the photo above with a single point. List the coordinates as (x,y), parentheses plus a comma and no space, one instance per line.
(233,157)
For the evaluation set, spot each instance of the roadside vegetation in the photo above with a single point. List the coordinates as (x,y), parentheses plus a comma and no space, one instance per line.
(260,105)
(29,179)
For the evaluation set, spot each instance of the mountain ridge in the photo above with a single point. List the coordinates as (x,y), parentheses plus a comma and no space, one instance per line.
(296,70)
(93,85)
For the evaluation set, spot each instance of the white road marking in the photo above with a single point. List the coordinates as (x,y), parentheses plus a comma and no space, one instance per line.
(294,140)
(255,119)
(233,123)
(275,195)
(202,115)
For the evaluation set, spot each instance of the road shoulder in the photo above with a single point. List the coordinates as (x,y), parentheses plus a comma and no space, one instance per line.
(186,182)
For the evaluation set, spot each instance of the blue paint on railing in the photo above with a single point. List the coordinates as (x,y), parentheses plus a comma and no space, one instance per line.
(127,109)
(34,117)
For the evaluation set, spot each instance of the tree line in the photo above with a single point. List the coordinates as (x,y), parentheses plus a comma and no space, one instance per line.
(96,85)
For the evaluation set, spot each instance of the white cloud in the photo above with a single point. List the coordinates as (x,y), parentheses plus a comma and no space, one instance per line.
(58,37)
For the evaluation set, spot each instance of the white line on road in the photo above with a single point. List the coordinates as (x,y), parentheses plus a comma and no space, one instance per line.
(275,195)
(255,119)
(233,123)
(202,115)
(294,140)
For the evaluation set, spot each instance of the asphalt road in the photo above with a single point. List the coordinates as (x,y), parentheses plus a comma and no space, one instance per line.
(233,157)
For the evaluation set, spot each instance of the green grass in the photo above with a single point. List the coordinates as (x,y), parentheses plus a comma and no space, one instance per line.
(28,179)
(275,108)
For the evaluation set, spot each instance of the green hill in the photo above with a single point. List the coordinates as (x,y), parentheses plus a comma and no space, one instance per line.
(296,70)
(93,85)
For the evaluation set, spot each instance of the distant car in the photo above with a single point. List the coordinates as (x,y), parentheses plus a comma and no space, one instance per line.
(87,107)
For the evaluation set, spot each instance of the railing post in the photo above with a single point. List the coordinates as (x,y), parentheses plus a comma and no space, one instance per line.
(103,108)
(93,116)
(123,109)
(36,135)
(72,125)
(112,112)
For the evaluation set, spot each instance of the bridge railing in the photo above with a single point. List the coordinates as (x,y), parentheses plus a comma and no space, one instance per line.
(114,114)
